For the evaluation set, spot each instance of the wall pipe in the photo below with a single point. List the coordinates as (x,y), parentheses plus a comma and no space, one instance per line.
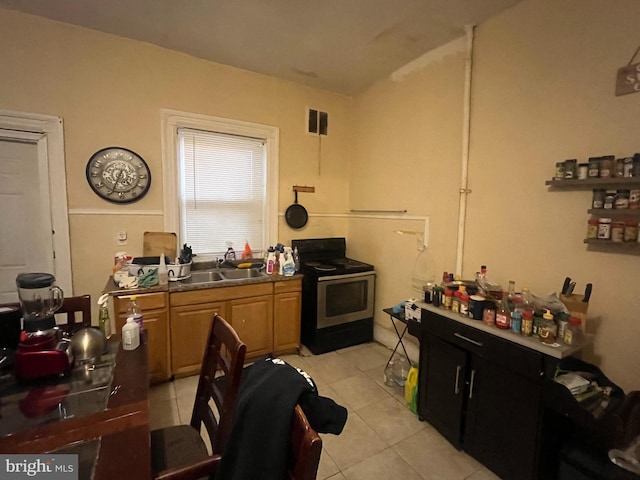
(466,127)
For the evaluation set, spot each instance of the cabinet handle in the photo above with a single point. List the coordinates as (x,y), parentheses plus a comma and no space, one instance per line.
(475,342)
(457,389)
(473,377)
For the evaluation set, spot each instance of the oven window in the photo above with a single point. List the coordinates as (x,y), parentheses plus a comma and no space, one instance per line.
(348,297)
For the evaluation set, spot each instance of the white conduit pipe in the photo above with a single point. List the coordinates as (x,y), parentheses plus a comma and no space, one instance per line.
(464,176)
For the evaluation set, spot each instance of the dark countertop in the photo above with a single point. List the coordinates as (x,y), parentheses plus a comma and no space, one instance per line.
(185,285)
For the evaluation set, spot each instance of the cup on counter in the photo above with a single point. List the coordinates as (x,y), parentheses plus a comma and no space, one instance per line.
(476,307)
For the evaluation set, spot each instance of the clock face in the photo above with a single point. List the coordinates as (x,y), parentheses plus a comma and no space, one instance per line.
(118,175)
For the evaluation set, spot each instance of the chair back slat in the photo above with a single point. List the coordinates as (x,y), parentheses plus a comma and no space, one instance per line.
(225,353)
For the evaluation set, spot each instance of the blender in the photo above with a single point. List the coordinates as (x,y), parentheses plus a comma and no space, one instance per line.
(42,351)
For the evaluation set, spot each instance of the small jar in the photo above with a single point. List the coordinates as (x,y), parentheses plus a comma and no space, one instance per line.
(630,231)
(592,228)
(598,198)
(619,170)
(628,167)
(634,199)
(573,334)
(570,168)
(559,171)
(583,171)
(489,316)
(606,166)
(594,167)
(617,232)
(448,298)
(604,229)
(527,323)
(464,304)
(609,200)
(563,321)
(622,199)
(636,165)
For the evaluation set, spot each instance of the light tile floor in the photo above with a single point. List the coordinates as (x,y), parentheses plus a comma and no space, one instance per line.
(382,438)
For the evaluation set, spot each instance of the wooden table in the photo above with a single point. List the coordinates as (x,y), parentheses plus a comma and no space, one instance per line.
(102,414)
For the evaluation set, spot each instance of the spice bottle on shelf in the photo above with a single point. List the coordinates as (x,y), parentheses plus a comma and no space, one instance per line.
(527,323)
(592,228)
(598,198)
(594,167)
(631,231)
(448,298)
(559,175)
(455,302)
(563,322)
(573,335)
(516,322)
(570,168)
(606,166)
(489,314)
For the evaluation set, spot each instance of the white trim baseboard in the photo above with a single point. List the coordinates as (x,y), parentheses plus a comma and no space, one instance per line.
(388,338)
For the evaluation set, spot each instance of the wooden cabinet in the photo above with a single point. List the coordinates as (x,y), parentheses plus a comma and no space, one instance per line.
(189,333)
(482,393)
(156,325)
(252,319)
(287,302)
(265,315)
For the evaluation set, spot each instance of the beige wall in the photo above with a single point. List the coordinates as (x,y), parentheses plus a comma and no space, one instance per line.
(110,90)
(543,83)
(543,91)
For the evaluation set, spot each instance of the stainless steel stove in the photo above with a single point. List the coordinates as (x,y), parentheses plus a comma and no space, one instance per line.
(337,295)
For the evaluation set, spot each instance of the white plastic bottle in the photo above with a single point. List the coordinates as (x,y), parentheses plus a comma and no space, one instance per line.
(130,335)
(163,273)
(271,260)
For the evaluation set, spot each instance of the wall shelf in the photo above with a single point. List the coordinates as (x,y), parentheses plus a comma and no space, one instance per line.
(631,213)
(608,243)
(590,183)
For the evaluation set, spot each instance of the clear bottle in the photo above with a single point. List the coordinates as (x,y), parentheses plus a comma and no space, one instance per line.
(503,314)
(104,323)
(511,295)
(296,258)
(230,254)
(163,273)
(133,311)
(573,335)
(130,335)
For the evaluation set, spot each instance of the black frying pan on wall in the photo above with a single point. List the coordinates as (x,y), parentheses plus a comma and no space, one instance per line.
(296,215)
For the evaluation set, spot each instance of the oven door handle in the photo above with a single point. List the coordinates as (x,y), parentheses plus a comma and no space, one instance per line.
(326,278)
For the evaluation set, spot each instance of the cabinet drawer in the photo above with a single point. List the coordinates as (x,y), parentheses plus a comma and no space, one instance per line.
(287,286)
(515,357)
(218,294)
(146,301)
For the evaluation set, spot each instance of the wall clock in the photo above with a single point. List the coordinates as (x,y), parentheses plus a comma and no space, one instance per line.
(118,175)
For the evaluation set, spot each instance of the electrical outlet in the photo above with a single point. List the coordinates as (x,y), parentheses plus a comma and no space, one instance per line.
(121,238)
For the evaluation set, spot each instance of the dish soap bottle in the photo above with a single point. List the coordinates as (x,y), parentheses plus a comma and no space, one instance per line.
(230,254)
(271,260)
(104,322)
(163,273)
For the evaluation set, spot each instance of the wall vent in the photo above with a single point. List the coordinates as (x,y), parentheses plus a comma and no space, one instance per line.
(317,122)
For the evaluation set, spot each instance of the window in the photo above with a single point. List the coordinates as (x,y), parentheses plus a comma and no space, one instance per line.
(220,183)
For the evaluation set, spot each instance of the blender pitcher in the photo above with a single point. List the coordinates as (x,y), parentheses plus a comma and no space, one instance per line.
(39,300)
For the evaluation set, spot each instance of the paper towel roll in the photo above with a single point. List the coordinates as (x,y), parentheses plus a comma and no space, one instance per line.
(629,458)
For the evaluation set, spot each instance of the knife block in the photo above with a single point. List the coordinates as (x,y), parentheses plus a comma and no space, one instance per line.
(576,307)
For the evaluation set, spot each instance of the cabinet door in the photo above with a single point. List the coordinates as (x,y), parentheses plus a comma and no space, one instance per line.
(286,321)
(501,427)
(252,319)
(445,387)
(155,326)
(189,333)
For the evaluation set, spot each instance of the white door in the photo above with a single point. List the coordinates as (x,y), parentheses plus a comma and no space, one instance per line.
(26,233)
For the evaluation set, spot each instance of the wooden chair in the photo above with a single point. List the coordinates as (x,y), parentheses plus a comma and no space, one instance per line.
(179,452)
(305,448)
(70,306)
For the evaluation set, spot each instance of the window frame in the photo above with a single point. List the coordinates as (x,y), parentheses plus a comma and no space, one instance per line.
(172,120)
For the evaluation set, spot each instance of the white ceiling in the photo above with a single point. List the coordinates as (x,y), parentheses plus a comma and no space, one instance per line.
(338,45)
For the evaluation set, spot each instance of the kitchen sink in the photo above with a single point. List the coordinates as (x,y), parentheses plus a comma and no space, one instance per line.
(242,273)
(205,276)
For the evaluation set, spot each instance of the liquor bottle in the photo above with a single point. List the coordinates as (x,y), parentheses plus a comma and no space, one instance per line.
(503,315)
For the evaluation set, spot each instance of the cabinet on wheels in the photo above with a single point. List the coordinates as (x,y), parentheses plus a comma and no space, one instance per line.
(482,393)
(156,326)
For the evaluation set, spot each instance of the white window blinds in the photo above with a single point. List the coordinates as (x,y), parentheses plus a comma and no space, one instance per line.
(222,191)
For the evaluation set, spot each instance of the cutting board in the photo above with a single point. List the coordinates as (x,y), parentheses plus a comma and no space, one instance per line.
(156,243)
